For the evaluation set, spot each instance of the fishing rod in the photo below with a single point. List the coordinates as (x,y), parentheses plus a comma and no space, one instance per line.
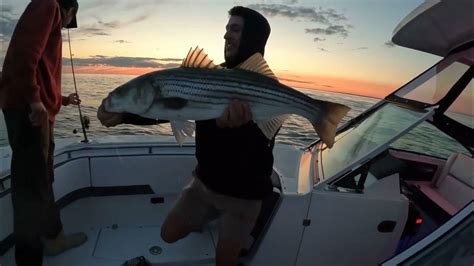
(85,140)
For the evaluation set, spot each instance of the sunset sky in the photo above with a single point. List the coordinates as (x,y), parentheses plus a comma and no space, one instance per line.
(336,45)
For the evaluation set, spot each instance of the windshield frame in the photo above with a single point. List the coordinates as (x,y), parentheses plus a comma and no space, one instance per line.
(319,149)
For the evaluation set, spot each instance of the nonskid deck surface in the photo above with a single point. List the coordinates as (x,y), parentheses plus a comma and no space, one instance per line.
(120,228)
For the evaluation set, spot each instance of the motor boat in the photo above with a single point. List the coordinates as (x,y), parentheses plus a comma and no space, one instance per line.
(397,173)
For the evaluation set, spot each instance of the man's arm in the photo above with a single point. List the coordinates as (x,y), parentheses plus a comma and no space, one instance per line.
(28,44)
(235,115)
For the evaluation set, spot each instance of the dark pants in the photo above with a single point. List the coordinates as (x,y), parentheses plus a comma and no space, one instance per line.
(35,213)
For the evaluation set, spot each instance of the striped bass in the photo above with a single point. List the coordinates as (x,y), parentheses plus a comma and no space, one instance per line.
(201,90)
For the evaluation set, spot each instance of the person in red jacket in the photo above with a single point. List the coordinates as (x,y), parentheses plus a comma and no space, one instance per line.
(30,96)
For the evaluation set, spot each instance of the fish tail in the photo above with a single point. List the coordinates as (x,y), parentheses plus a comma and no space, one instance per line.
(326,128)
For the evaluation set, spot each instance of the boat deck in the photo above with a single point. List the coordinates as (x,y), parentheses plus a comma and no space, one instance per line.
(120,228)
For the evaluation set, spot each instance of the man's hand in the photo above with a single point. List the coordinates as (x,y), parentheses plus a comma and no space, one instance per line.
(73,99)
(235,115)
(108,119)
(38,115)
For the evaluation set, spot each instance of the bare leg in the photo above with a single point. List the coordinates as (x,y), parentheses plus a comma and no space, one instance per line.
(190,213)
(238,219)
(227,253)
(174,228)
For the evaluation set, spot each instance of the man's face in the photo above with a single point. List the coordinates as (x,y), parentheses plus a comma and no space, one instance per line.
(232,36)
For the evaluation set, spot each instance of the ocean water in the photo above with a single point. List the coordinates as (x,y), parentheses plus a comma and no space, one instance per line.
(296,131)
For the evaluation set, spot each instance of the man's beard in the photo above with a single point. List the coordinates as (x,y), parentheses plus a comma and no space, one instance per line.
(230,61)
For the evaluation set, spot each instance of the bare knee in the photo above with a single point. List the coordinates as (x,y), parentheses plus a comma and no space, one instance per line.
(170,234)
(172,230)
(167,236)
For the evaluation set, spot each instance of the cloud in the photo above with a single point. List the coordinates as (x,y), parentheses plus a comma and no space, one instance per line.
(100,27)
(110,25)
(91,7)
(103,28)
(170,59)
(327,21)
(93,31)
(121,61)
(139,18)
(321,15)
(122,23)
(389,44)
(333,15)
(330,30)
(121,41)
(7,22)
(6,9)
(144,4)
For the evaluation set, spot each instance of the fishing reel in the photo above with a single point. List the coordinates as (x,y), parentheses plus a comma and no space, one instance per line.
(86,121)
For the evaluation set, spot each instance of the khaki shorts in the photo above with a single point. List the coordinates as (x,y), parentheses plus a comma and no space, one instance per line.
(198,205)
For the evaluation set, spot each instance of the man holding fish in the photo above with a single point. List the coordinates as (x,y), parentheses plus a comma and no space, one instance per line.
(238,108)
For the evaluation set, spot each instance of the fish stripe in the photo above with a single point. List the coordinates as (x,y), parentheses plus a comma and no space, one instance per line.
(309,106)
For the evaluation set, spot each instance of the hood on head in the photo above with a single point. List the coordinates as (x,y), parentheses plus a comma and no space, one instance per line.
(66,4)
(254,35)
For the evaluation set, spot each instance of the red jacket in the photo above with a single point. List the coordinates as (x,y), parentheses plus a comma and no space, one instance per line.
(32,66)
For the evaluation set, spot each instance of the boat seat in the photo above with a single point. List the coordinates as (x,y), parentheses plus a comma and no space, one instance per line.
(452,185)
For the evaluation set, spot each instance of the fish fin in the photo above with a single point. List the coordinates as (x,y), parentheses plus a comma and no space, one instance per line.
(174,103)
(271,126)
(181,129)
(256,63)
(326,128)
(197,58)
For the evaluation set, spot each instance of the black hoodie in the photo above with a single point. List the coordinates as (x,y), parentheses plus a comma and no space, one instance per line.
(237,162)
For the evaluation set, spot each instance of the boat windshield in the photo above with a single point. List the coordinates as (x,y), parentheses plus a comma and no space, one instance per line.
(435,83)
(462,109)
(368,137)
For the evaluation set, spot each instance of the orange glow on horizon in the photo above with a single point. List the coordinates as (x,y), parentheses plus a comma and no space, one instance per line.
(363,88)
(357,87)
(98,69)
